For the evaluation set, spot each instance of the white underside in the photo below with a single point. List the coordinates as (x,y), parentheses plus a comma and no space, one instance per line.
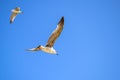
(44,49)
(49,50)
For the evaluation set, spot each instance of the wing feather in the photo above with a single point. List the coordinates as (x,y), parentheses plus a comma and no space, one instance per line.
(12,17)
(56,33)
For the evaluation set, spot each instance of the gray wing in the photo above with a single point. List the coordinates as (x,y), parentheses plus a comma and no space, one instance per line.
(12,17)
(56,33)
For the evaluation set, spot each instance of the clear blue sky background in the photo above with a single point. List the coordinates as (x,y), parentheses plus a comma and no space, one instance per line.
(89,46)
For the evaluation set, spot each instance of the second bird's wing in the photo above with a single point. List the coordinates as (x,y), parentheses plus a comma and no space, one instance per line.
(12,17)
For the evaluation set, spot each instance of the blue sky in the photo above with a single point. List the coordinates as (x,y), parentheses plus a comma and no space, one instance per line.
(88,47)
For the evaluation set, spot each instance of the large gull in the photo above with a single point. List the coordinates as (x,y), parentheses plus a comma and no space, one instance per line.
(48,48)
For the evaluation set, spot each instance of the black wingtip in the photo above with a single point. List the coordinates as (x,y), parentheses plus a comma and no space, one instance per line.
(61,20)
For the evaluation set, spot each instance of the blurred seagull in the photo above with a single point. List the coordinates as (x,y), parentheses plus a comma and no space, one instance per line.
(14,13)
(55,34)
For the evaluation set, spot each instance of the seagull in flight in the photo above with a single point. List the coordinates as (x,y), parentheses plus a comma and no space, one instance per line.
(14,14)
(48,48)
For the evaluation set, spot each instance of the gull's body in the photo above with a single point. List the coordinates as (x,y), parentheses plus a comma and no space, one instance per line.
(50,50)
(14,14)
(49,46)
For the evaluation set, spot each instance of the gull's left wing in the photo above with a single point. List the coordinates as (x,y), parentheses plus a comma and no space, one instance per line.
(12,17)
(56,33)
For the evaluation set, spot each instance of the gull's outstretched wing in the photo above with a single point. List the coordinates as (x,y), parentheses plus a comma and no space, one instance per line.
(56,33)
(34,49)
(12,17)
